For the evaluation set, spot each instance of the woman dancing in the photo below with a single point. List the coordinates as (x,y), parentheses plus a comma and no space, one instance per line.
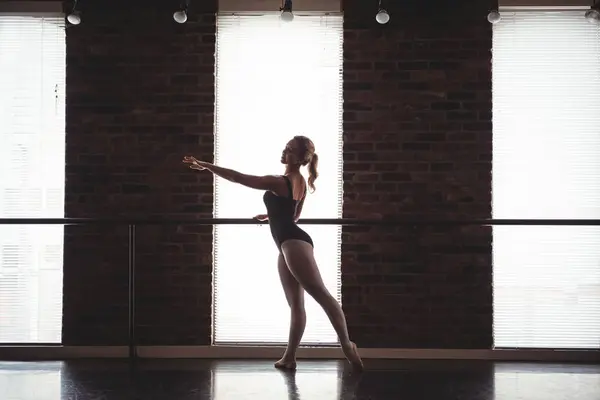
(284,197)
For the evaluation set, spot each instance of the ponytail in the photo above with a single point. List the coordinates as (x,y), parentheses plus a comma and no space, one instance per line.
(312,172)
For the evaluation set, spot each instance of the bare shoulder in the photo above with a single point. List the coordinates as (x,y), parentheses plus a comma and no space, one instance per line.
(277,179)
(277,185)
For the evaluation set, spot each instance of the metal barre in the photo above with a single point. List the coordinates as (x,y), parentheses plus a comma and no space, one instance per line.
(132,223)
(308,221)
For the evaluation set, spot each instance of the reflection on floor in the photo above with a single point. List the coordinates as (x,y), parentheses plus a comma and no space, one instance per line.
(318,380)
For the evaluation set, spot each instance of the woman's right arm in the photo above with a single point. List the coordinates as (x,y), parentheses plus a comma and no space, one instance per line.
(300,205)
(299,209)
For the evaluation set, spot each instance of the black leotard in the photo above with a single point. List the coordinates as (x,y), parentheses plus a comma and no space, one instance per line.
(281,211)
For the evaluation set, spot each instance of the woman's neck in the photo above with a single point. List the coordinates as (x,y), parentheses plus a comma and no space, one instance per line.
(289,169)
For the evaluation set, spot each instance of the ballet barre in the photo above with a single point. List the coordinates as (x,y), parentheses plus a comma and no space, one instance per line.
(304,221)
(132,223)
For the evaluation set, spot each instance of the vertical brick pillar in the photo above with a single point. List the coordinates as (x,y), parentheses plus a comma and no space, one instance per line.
(418,144)
(140,95)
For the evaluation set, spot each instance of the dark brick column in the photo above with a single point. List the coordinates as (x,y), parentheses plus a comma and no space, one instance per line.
(418,143)
(140,95)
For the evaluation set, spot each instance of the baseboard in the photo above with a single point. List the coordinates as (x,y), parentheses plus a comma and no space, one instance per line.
(34,353)
(231,352)
(30,353)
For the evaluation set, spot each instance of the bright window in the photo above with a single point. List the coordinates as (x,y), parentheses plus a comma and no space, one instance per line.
(274,80)
(32,171)
(546,164)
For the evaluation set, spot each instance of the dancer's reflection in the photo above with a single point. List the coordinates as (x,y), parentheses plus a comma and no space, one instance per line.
(347,391)
(289,376)
(350,381)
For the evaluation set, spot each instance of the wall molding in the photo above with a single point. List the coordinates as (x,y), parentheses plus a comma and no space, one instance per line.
(273,5)
(31,353)
(33,8)
(544,3)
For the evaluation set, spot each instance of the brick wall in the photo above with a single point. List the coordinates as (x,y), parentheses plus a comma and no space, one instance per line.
(417,126)
(417,143)
(140,94)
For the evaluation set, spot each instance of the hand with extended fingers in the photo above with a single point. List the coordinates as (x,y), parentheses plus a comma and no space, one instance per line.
(194,163)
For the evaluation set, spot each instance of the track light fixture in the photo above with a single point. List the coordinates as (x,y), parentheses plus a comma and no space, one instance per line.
(286,11)
(494,16)
(382,15)
(180,16)
(74,17)
(593,14)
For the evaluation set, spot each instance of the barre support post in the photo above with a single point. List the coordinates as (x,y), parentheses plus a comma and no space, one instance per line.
(131,300)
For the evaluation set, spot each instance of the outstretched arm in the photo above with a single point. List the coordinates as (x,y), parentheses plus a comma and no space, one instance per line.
(268,182)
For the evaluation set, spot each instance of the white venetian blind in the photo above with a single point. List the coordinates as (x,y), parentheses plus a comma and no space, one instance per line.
(32,171)
(546,164)
(274,80)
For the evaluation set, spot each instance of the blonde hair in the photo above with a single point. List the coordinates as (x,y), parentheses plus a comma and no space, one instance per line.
(310,158)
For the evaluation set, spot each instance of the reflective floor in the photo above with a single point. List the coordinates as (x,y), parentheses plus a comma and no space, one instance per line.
(318,380)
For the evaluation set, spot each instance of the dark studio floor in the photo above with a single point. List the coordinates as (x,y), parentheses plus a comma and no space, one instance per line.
(318,380)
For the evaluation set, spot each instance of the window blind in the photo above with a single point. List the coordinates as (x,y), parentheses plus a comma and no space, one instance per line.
(274,80)
(546,164)
(32,170)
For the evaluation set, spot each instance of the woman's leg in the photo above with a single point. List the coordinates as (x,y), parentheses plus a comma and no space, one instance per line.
(301,262)
(294,295)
